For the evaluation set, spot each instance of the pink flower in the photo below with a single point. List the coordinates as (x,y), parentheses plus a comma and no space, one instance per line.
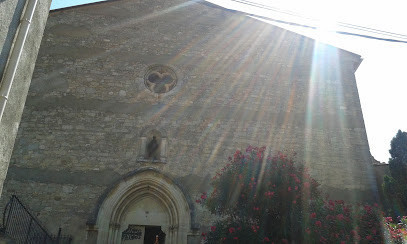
(341,202)
(318,223)
(235,238)
(213,228)
(313,215)
(237,155)
(231,230)
(289,188)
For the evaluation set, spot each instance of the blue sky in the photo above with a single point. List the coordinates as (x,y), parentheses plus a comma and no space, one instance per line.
(56,4)
(382,76)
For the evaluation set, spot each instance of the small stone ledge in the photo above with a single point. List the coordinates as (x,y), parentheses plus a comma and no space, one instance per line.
(146,160)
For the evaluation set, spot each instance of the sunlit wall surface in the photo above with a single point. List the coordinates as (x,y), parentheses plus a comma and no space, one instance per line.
(240,82)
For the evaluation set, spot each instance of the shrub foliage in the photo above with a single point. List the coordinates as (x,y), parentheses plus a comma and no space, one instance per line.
(274,199)
(395,185)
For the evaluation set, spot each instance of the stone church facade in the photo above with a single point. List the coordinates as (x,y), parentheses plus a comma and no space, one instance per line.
(134,105)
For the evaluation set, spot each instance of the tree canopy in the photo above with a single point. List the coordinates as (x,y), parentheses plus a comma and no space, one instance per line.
(398,153)
(395,185)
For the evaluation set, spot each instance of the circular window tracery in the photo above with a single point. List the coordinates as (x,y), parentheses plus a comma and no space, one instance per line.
(160,78)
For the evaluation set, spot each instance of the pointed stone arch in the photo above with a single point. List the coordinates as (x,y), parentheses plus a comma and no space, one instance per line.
(171,205)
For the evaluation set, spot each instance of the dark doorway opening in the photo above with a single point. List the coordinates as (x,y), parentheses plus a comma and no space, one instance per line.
(150,235)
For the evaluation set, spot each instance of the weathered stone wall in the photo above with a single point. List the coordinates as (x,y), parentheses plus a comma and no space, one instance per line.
(240,82)
(10,13)
(381,169)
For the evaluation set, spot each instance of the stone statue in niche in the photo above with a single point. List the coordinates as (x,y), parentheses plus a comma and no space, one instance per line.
(152,149)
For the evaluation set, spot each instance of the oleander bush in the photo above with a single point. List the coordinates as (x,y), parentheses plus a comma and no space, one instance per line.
(396,229)
(274,199)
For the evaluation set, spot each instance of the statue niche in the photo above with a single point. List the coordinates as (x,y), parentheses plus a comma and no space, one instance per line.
(153,149)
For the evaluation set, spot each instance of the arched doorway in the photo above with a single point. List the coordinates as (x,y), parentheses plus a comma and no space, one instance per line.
(141,207)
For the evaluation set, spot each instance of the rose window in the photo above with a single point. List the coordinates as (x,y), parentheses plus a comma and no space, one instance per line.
(160,79)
